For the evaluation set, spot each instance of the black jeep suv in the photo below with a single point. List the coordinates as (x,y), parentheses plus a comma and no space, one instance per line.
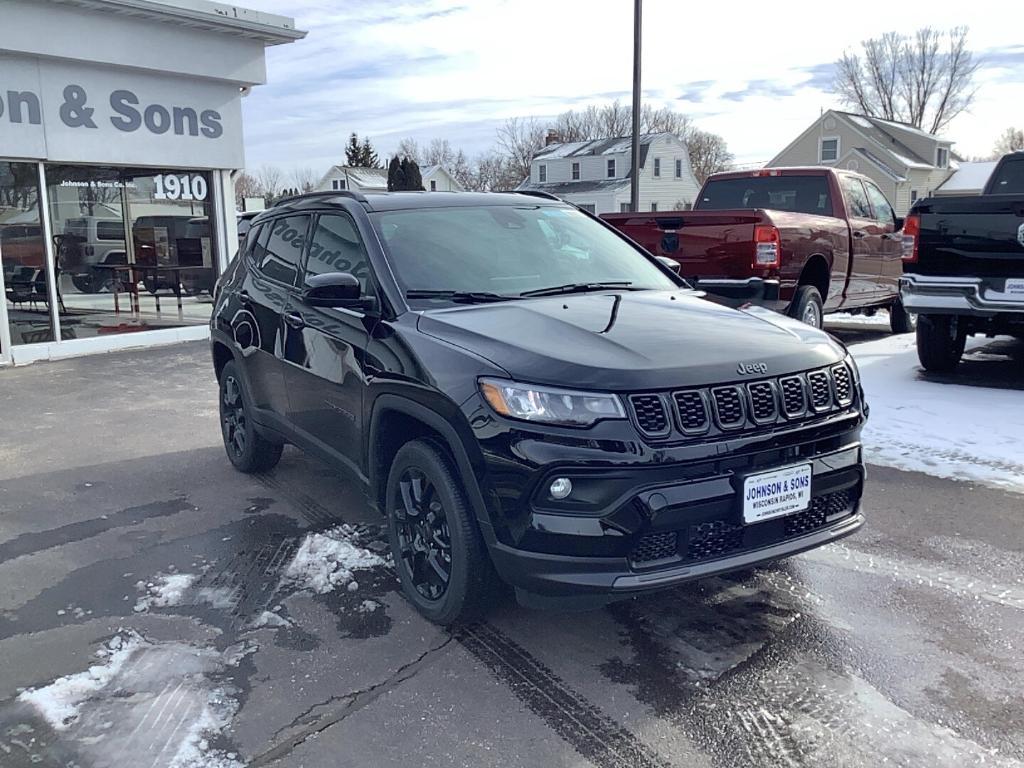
(527,394)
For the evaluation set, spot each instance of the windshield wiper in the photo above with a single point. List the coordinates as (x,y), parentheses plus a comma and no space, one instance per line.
(459,297)
(577,288)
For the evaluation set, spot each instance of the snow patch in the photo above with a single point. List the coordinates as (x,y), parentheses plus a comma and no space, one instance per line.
(164,590)
(878,320)
(270,619)
(943,429)
(327,560)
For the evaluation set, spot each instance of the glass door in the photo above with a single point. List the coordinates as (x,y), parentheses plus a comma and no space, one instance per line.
(25,315)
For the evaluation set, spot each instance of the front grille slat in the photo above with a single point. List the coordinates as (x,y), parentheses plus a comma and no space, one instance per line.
(842,384)
(650,413)
(763,406)
(821,390)
(692,412)
(794,400)
(728,407)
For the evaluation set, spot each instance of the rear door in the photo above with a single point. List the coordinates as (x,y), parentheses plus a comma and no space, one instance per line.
(865,243)
(325,348)
(890,261)
(272,277)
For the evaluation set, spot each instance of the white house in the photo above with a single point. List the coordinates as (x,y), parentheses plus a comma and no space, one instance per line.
(340,177)
(595,175)
(968,178)
(906,162)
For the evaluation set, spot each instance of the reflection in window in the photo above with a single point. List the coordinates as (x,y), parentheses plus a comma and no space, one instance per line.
(336,247)
(279,259)
(23,255)
(134,248)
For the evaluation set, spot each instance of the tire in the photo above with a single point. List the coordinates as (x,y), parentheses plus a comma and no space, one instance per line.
(247,450)
(807,306)
(426,500)
(86,283)
(901,321)
(940,342)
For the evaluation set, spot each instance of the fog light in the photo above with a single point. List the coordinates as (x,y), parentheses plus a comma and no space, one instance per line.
(560,487)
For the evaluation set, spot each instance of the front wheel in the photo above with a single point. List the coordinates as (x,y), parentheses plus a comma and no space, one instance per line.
(439,554)
(940,342)
(246,448)
(807,306)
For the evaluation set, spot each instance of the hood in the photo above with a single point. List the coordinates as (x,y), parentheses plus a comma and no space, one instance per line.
(630,341)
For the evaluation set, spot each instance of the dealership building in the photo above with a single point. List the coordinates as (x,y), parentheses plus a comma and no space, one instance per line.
(120,129)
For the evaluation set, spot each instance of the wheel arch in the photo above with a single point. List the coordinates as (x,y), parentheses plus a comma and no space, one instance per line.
(817,271)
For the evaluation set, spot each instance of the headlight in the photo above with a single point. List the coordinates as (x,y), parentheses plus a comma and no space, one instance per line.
(548,405)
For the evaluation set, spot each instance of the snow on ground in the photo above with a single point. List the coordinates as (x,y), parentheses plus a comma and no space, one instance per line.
(948,430)
(327,560)
(155,699)
(164,590)
(879,320)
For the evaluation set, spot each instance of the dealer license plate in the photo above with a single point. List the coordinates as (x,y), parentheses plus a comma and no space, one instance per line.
(1014,287)
(778,493)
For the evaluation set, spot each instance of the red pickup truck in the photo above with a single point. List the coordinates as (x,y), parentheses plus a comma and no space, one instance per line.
(805,241)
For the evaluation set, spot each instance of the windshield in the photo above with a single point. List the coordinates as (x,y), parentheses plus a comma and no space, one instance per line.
(1009,179)
(508,250)
(800,194)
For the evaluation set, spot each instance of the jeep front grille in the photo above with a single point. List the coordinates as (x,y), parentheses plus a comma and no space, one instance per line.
(693,411)
(650,414)
(821,391)
(843,385)
(762,401)
(794,402)
(728,407)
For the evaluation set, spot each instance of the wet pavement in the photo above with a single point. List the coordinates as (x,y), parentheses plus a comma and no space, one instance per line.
(152,614)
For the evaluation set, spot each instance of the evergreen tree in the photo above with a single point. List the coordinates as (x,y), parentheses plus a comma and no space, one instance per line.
(367,155)
(396,175)
(353,152)
(411,171)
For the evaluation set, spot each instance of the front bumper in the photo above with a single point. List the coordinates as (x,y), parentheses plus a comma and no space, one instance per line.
(740,292)
(940,295)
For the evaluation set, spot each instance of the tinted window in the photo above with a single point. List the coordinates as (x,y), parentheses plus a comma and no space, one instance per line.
(883,211)
(110,230)
(336,247)
(856,199)
(508,250)
(801,194)
(278,258)
(1009,179)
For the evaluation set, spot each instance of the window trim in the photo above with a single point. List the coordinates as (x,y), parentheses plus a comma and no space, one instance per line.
(371,275)
(938,151)
(878,189)
(657,168)
(821,148)
(679,168)
(542,173)
(610,169)
(575,171)
(433,185)
(268,226)
(847,201)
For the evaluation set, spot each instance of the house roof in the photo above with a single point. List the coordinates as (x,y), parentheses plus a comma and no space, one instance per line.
(573,187)
(613,146)
(880,164)
(969,177)
(364,177)
(876,130)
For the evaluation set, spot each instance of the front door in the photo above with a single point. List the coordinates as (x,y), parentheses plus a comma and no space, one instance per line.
(325,348)
(890,262)
(865,243)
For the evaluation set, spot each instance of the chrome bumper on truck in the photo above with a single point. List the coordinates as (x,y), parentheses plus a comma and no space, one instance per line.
(939,295)
(736,293)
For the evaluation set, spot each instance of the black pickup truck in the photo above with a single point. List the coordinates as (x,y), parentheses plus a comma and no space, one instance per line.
(963,265)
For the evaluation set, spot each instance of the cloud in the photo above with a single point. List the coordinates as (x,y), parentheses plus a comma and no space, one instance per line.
(756,88)
(821,76)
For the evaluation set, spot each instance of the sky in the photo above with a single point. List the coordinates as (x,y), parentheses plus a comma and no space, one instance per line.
(756,73)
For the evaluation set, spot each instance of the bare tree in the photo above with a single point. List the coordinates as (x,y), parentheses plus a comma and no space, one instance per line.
(494,173)
(520,138)
(926,79)
(1011,140)
(304,179)
(708,154)
(409,148)
(246,185)
(270,181)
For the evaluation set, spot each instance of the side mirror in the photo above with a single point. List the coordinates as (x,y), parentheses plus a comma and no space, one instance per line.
(672,264)
(336,289)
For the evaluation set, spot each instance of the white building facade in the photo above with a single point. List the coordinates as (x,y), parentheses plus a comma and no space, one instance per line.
(596,175)
(355,179)
(116,194)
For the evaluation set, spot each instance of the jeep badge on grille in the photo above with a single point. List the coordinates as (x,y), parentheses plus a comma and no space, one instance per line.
(748,369)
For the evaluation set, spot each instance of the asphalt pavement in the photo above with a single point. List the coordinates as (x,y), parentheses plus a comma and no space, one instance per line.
(151,579)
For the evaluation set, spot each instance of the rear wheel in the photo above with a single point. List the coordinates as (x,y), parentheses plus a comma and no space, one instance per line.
(807,306)
(940,342)
(246,448)
(900,320)
(439,554)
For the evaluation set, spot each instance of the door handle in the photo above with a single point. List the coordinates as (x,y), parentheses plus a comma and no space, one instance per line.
(294,320)
(858,233)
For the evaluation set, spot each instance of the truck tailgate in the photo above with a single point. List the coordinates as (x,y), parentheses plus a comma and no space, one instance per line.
(972,236)
(712,244)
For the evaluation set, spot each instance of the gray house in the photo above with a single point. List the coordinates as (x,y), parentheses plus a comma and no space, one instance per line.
(905,162)
(595,175)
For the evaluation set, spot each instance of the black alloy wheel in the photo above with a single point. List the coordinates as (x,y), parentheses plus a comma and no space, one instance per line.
(232,416)
(424,540)
(246,448)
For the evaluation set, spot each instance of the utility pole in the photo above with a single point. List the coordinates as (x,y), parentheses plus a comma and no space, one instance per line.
(634,184)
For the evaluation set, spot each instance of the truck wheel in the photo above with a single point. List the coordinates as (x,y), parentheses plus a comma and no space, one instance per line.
(940,342)
(807,306)
(248,450)
(900,320)
(440,556)
(88,283)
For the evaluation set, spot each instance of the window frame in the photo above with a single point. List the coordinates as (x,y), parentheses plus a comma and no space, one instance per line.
(657,167)
(372,288)
(575,172)
(433,185)
(610,169)
(542,173)
(847,200)
(679,168)
(268,225)
(821,149)
(868,186)
(939,163)
(654,206)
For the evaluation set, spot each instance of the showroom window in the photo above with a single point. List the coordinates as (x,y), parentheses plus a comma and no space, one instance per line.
(23,256)
(134,249)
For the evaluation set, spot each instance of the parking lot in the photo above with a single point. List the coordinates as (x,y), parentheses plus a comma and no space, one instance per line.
(161,609)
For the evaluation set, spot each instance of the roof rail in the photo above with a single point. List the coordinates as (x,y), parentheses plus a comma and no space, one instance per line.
(357,196)
(537,193)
